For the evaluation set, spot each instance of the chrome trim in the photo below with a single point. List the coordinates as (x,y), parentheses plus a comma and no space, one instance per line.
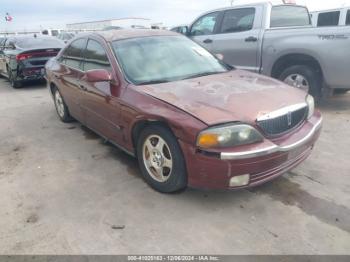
(281,112)
(271,149)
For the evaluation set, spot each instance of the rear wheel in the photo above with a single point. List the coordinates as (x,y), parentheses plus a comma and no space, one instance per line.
(161,160)
(14,83)
(61,107)
(303,77)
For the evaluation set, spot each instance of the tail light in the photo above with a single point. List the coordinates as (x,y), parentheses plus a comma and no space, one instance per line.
(22,57)
(48,53)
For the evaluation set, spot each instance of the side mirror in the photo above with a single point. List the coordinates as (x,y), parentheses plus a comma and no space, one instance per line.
(98,75)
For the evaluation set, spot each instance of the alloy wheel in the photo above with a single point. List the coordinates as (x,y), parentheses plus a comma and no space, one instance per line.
(59,104)
(157,158)
(298,81)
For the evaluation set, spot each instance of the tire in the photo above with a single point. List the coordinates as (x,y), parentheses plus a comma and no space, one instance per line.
(13,82)
(61,107)
(309,74)
(171,179)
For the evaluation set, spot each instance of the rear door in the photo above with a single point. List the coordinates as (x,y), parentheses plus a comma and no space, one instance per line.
(69,76)
(101,108)
(238,38)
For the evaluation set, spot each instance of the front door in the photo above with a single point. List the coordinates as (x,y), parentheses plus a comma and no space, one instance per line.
(203,30)
(100,105)
(238,38)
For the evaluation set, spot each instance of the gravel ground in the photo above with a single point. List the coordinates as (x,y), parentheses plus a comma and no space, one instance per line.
(64,191)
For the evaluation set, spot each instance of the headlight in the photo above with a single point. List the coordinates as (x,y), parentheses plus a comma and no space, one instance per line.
(228,136)
(311,104)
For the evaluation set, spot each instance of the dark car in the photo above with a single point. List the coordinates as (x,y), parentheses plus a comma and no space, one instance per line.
(187,117)
(23,58)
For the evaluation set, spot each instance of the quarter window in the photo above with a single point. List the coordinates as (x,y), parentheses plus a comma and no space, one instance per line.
(205,25)
(348,18)
(96,57)
(238,20)
(328,19)
(72,56)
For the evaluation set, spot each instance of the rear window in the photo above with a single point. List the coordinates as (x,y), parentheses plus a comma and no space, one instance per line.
(348,18)
(286,16)
(328,19)
(43,42)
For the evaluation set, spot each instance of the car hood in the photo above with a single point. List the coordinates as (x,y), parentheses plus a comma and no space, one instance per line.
(234,96)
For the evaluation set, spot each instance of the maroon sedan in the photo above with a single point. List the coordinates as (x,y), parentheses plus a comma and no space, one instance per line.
(190,119)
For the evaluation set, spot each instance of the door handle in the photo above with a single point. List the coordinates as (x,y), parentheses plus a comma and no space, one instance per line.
(251,39)
(208,41)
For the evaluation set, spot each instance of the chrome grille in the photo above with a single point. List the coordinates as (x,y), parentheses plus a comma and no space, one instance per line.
(284,121)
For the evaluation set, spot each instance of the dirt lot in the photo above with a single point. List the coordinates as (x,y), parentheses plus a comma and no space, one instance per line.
(63,191)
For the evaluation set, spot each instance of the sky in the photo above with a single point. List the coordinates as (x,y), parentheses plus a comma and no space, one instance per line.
(45,14)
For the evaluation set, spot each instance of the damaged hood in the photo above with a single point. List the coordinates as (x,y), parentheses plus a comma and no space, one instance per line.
(234,96)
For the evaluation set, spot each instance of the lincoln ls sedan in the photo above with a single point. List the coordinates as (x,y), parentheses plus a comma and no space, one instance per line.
(190,119)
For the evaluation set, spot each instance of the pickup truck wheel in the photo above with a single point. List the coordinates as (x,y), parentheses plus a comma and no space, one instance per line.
(61,107)
(303,77)
(161,160)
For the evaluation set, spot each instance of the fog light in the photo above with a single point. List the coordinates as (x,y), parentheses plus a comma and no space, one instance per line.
(239,180)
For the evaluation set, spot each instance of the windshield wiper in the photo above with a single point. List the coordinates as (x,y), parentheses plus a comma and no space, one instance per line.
(152,82)
(201,74)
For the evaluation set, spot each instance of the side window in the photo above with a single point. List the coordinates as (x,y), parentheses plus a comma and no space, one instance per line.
(348,18)
(72,56)
(205,25)
(96,57)
(328,19)
(238,20)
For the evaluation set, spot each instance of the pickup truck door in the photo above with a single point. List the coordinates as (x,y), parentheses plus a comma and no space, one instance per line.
(238,38)
(204,28)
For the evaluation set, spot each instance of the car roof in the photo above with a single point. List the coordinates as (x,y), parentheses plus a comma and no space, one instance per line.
(113,35)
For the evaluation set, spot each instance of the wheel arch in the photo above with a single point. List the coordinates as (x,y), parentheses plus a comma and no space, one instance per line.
(142,124)
(294,59)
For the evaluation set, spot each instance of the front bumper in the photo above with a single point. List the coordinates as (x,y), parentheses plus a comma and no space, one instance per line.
(263,162)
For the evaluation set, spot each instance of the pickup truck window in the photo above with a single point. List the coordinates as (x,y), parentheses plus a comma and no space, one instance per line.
(287,16)
(238,20)
(328,19)
(205,25)
(348,18)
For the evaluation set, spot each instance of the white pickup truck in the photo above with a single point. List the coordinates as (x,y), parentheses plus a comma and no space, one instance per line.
(278,41)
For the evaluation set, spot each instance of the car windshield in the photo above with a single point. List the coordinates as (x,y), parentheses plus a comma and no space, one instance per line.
(164,59)
(39,42)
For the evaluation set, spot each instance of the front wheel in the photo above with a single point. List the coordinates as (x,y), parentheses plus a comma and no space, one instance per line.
(303,77)
(161,160)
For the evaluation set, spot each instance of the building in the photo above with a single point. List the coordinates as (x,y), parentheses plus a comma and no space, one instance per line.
(102,24)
